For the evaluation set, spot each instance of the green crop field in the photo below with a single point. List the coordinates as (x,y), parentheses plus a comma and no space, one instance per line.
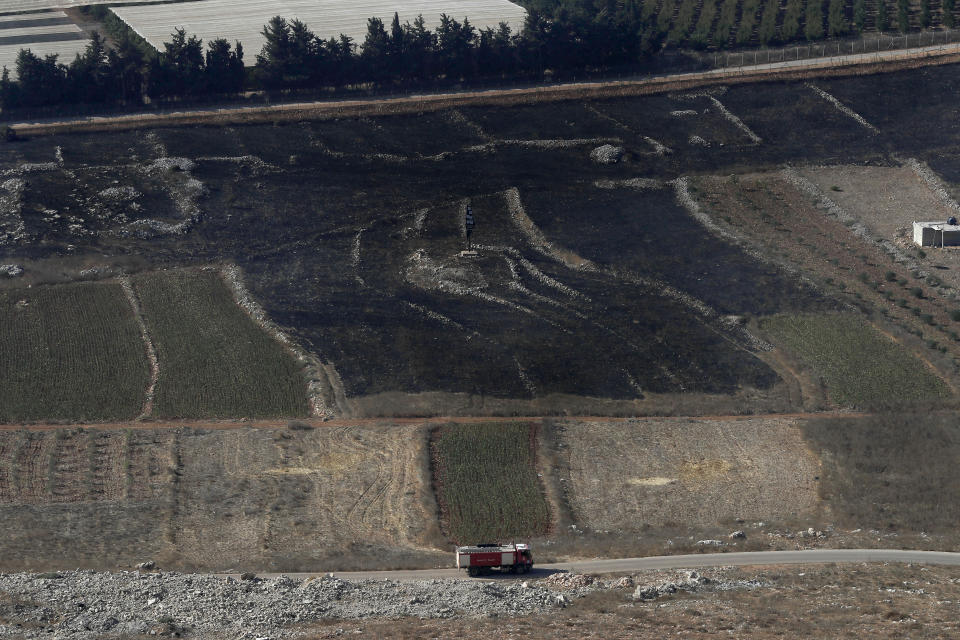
(70,352)
(214,360)
(860,367)
(487,484)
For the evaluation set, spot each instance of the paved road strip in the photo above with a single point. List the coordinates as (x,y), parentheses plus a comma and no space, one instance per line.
(692,561)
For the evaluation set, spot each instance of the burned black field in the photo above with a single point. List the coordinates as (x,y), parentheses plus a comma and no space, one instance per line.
(590,280)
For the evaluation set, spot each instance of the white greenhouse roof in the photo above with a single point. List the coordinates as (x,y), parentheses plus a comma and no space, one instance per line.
(243,20)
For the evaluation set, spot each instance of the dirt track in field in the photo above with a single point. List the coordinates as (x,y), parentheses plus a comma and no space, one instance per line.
(282,423)
(847,65)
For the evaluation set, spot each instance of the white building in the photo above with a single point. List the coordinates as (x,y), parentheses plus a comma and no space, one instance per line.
(937,234)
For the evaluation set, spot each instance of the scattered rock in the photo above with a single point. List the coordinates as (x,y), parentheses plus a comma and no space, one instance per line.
(11,270)
(710,543)
(737,535)
(149,565)
(607,154)
(698,141)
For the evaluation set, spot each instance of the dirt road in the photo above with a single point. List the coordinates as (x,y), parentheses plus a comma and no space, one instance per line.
(283,423)
(696,561)
(849,64)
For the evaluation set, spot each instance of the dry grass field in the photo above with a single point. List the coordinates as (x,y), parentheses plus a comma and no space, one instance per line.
(635,475)
(282,499)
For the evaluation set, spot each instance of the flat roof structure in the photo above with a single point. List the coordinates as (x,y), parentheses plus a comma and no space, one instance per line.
(936,234)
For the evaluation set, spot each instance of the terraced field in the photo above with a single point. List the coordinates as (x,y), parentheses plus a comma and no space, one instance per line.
(485,477)
(169,344)
(348,234)
(859,367)
(216,361)
(70,352)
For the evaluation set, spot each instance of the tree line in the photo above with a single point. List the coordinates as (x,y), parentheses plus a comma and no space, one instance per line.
(578,35)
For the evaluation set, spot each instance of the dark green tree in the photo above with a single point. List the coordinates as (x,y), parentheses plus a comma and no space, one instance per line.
(89,74)
(224,68)
(42,81)
(128,69)
(274,56)
(420,43)
(883,17)
(948,20)
(767,32)
(903,15)
(179,69)
(455,47)
(859,15)
(813,26)
(375,50)
(9,91)
(791,20)
(837,24)
(924,14)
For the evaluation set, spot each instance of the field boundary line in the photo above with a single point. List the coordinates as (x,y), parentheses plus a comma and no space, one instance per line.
(127,285)
(917,354)
(317,375)
(837,66)
(245,423)
(842,108)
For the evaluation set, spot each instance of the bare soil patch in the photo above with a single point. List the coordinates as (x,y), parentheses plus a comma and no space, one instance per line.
(886,199)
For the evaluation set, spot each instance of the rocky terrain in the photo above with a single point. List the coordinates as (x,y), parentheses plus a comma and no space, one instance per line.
(87,604)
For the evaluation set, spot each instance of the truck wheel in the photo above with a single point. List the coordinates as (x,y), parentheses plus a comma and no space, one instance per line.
(473,572)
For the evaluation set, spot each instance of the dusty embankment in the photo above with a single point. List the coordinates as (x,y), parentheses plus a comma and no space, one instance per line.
(849,65)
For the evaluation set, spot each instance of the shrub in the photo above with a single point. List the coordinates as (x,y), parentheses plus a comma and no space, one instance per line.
(916,292)
(890,276)
(955,315)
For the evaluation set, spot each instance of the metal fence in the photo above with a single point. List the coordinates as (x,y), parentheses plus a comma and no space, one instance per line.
(866,44)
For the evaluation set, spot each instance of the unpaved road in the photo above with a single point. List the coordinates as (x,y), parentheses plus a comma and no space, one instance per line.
(848,64)
(694,561)
(282,423)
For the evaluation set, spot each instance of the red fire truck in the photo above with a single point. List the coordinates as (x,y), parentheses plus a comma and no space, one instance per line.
(478,560)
